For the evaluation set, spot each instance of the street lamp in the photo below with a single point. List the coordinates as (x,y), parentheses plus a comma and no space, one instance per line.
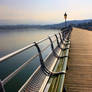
(65,16)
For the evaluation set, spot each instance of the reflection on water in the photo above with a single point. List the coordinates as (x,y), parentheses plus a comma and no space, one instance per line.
(11,40)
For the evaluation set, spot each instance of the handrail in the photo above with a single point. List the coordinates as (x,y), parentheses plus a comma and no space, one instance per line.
(22,66)
(2,59)
(4,81)
(21,50)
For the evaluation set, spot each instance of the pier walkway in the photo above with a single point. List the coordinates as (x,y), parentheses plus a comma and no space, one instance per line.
(79,74)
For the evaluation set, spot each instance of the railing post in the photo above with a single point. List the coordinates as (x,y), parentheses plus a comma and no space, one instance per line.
(1,87)
(61,38)
(53,50)
(43,67)
(52,47)
(63,34)
(57,40)
(64,89)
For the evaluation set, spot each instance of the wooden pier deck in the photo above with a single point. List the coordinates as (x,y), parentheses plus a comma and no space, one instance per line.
(79,74)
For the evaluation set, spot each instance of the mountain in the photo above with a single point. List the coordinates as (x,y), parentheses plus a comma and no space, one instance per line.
(51,26)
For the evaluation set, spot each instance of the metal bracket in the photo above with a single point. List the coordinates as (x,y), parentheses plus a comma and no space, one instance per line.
(63,34)
(57,41)
(61,38)
(59,44)
(1,87)
(43,67)
(64,89)
(54,53)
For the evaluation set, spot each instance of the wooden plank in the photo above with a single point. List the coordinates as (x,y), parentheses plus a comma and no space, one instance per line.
(79,74)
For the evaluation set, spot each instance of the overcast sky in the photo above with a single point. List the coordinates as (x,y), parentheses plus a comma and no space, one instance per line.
(43,11)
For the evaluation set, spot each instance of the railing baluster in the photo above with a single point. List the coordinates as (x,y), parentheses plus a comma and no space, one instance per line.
(61,38)
(57,41)
(59,44)
(54,53)
(1,87)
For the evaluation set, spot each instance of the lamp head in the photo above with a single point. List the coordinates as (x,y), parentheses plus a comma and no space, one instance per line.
(65,16)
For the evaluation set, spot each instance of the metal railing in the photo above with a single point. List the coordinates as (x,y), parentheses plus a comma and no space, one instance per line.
(63,36)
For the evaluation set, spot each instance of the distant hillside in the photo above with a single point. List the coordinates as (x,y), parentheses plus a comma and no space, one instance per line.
(87,25)
(53,26)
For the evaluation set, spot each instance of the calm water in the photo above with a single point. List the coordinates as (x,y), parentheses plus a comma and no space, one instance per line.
(11,40)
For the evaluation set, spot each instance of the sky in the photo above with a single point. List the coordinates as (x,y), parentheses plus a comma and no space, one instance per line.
(43,11)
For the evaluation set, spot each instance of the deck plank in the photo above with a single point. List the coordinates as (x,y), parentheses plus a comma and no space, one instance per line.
(79,74)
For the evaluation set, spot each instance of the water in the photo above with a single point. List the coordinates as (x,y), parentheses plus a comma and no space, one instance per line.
(11,40)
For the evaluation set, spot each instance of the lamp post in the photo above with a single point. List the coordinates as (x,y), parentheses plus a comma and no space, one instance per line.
(65,16)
